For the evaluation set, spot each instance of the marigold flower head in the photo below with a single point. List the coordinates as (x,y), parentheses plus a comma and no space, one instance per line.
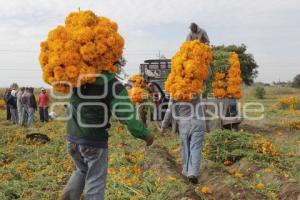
(260,186)
(219,76)
(189,70)
(228,84)
(227,162)
(238,175)
(206,190)
(137,95)
(137,80)
(85,44)
(289,102)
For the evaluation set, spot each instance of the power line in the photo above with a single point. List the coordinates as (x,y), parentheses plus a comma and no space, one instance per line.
(28,70)
(17,51)
(141,51)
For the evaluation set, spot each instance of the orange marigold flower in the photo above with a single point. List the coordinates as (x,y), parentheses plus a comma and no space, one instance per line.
(227,162)
(206,190)
(85,44)
(238,175)
(189,70)
(219,76)
(137,95)
(137,80)
(260,186)
(228,84)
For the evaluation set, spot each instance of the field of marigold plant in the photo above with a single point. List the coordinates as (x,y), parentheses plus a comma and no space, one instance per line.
(261,161)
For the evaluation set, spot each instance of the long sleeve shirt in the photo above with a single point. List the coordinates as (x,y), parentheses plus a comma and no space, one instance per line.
(90,117)
(43,100)
(183,111)
(200,35)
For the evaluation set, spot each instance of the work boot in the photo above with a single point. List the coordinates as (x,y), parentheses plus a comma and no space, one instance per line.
(193,179)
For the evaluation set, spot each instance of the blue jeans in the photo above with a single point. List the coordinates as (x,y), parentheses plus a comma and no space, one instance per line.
(14,115)
(192,137)
(24,118)
(31,112)
(20,113)
(89,176)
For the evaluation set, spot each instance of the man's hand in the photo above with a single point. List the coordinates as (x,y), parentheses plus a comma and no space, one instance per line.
(162,130)
(149,140)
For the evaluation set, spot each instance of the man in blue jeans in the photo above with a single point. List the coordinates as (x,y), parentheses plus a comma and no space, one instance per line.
(31,106)
(91,107)
(191,123)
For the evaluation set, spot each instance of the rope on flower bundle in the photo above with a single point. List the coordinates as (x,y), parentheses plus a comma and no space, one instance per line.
(189,70)
(86,44)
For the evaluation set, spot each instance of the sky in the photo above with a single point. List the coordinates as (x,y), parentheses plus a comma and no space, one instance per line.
(269,28)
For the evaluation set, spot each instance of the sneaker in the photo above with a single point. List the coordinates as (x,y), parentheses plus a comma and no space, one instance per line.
(193,179)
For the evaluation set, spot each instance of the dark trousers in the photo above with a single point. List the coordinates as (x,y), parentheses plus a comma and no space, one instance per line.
(43,114)
(8,115)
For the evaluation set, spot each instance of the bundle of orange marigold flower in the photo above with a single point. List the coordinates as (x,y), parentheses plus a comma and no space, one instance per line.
(189,70)
(227,77)
(137,94)
(86,44)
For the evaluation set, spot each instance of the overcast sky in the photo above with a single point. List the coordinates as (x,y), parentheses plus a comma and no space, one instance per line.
(270,29)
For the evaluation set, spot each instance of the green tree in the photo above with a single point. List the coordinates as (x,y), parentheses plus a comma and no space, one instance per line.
(248,64)
(296,81)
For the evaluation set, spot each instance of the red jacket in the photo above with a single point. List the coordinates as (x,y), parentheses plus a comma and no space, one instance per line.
(43,100)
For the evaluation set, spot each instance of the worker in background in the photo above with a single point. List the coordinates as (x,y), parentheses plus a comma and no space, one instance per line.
(6,95)
(197,33)
(20,106)
(24,102)
(30,106)
(12,104)
(43,103)
(200,34)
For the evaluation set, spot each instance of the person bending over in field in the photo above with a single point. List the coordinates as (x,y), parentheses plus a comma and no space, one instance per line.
(91,107)
(191,130)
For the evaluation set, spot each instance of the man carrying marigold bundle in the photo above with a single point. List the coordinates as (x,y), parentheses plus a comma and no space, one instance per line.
(200,34)
(139,94)
(88,141)
(184,84)
(191,130)
(81,57)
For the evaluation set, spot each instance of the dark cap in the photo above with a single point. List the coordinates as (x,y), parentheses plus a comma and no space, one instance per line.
(193,24)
